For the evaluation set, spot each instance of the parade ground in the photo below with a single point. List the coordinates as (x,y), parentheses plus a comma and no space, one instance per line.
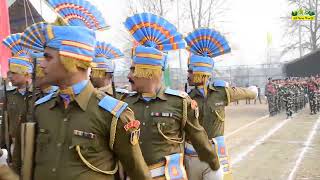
(272,148)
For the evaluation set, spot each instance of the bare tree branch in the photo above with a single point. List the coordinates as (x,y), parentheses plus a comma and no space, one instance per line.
(309,30)
(209,18)
(200,13)
(161,8)
(191,15)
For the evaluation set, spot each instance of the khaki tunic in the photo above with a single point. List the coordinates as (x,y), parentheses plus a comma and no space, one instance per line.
(16,110)
(56,141)
(212,108)
(162,127)
(16,157)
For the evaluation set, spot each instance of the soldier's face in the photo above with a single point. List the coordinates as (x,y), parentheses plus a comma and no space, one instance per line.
(190,78)
(139,84)
(18,79)
(40,82)
(101,81)
(132,79)
(54,71)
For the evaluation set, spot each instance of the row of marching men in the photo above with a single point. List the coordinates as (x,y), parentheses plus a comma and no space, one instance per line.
(292,94)
(79,127)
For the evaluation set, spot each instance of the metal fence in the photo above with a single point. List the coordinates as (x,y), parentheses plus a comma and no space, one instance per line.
(241,76)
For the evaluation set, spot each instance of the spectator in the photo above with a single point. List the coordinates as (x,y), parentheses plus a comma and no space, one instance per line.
(259,95)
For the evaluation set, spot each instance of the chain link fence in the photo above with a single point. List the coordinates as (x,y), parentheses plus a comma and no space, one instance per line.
(241,76)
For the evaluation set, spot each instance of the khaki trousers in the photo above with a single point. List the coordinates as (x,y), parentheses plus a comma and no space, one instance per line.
(198,170)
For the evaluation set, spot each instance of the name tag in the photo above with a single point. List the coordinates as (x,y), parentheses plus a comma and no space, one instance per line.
(219,104)
(161,114)
(84,134)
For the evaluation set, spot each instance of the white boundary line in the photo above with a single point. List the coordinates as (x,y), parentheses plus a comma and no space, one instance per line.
(259,141)
(304,150)
(245,126)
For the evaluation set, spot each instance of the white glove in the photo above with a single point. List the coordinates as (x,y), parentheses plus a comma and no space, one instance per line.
(217,175)
(4,156)
(254,89)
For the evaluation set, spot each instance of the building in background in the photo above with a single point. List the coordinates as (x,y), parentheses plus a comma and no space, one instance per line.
(307,65)
(22,14)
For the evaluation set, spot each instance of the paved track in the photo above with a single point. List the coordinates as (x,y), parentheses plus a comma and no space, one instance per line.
(272,148)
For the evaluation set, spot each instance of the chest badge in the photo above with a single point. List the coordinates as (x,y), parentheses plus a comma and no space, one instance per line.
(134,137)
(161,114)
(194,104)
(132,125)
(84,134)
(219,103)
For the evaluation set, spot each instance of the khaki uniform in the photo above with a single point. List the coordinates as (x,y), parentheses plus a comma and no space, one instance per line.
(164,121)
(77,142)
(212,108)
(16,157)
(212,116)
(108,90)
(16,110)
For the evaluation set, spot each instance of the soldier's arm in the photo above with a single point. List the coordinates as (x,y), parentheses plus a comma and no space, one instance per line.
(199,137)
(127,148)
(237,93)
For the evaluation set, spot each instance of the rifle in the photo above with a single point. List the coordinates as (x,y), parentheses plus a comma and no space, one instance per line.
(6,122)
(114,94)
(28,134)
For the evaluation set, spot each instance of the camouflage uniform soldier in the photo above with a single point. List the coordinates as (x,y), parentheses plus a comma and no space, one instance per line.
(318,93)
(270,93)
(211,99)
(81,128)
(166,115)
(288,99)
(102,71)
(312,94)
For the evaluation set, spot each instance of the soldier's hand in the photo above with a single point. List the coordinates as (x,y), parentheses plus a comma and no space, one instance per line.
(7,174)
(254,89)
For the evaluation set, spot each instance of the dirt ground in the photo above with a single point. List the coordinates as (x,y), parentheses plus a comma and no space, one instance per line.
(272,148)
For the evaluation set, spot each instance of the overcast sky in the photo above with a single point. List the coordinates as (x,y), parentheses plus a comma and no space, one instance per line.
(249,21)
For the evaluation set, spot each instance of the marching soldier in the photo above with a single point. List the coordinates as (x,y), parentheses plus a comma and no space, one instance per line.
(270,92)
(166,115)
(20,69)
(42,89)
(312,94)
(212,100)
(288,98)
(85,131)
(102,71)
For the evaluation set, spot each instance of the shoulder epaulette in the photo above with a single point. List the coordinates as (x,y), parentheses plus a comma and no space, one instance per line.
(176,93)
(132,93)
(220,83)
(11,89)
(122,91)
(54,88)
(112,105)
(45,99)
